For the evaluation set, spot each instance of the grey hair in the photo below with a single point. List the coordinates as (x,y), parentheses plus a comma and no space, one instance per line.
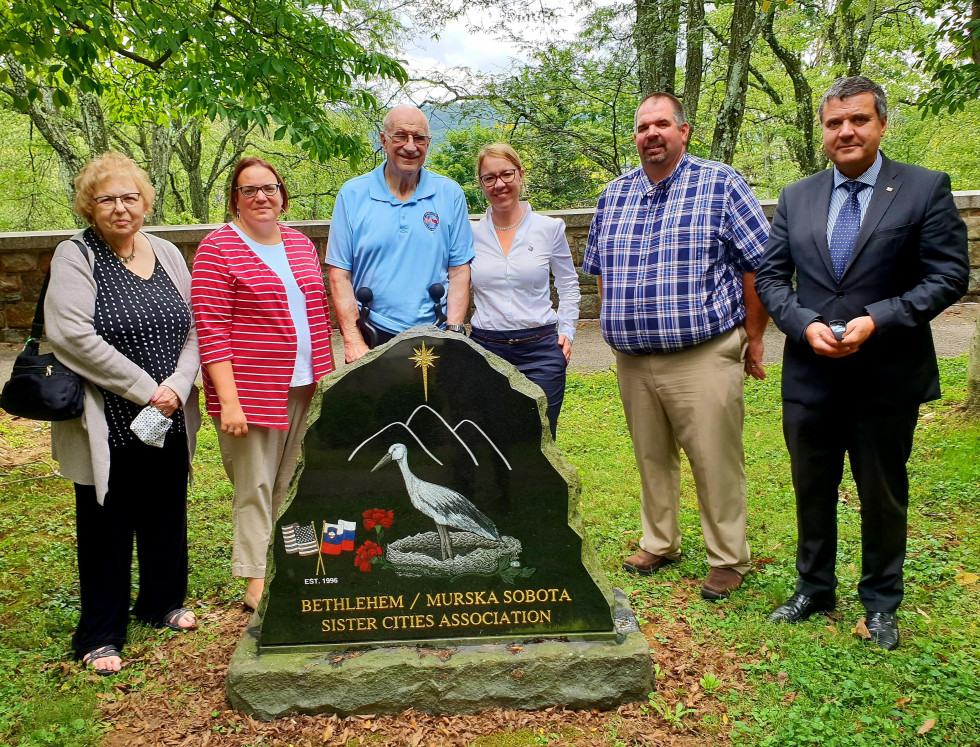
(679,117)
(843,88)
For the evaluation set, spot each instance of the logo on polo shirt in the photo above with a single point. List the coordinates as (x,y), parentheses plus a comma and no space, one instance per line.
(431,220)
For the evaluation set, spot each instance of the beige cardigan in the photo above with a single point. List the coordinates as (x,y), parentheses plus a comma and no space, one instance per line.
(81,446)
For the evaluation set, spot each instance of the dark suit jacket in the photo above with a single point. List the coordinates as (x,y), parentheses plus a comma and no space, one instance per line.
(909,263)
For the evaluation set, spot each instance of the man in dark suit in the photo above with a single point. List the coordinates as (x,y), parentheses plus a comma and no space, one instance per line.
(878,250)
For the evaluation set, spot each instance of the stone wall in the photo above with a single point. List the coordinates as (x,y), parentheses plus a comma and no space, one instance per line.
(24,258)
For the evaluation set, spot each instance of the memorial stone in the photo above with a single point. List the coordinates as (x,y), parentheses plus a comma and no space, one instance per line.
(431,508)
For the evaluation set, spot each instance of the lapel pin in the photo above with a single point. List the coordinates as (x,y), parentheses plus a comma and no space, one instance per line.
(889,189)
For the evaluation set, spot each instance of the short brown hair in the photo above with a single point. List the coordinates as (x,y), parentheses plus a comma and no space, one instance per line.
(498,150)
(99,169)
(233,182)
(678,107)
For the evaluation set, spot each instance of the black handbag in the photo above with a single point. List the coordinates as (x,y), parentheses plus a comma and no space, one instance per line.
(41,388)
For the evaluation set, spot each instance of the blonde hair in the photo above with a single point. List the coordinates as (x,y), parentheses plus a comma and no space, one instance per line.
(99,169)
(498,150)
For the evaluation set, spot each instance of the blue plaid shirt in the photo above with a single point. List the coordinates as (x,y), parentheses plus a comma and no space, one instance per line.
(672,254)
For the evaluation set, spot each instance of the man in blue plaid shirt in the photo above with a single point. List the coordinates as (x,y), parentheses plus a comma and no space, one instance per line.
(675,244)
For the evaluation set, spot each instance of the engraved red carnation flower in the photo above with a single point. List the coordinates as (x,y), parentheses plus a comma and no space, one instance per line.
(364,555)
(378,517)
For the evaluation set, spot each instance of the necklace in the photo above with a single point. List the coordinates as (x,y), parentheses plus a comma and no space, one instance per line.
(126,260)
(508,228)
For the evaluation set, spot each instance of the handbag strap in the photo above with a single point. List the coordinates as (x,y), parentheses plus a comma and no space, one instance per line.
(37,326)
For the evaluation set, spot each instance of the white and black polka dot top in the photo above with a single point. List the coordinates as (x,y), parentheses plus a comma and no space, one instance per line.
(144,319)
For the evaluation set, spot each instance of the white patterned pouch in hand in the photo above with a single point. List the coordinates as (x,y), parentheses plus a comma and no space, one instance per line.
(151,426)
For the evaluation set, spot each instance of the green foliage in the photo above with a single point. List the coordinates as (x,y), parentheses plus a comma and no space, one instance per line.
(250,63)
(951,56)
(455,157)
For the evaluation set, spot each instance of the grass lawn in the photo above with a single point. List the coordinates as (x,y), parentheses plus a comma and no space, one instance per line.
(724,676)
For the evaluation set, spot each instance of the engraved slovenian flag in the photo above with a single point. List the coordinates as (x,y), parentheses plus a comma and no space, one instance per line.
(338,538)
(299,539)
(332,539)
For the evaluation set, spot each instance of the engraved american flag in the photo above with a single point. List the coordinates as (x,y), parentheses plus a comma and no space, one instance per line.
(300,539)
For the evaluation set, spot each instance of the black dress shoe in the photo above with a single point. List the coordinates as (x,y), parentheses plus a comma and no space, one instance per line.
(799,607)
(883,627)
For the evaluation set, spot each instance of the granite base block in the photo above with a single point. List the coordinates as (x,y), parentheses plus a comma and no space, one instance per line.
(454,680)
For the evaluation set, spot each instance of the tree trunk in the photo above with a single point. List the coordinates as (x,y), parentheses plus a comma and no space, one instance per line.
(694,65)
(188,150)
(655,37)
(849,36)
(802,143)
(235,140)
(159,151)
(973,376)
(93,123)
(745,29)
(50,124)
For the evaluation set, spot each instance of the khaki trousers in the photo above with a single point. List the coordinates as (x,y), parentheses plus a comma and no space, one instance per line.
(692,400)
(260,466)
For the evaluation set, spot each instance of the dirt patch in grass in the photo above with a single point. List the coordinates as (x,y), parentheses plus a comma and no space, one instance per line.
(179,699)
(23,442)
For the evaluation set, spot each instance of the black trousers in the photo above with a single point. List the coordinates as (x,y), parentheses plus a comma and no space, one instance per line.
(147,499)
(536,354)
(878,445)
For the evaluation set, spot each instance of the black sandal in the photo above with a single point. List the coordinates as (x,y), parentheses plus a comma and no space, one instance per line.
(102,652)
(172,620)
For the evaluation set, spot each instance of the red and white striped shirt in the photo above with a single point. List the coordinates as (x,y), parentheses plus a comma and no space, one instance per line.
(242,315)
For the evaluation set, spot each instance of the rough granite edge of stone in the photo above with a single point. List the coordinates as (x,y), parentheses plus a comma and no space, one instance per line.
(519,382)
(462,679)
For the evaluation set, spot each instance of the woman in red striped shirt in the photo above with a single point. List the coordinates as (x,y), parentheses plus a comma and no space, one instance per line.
(260,306)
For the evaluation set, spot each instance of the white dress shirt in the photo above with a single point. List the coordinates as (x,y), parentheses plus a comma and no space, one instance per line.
(512,292)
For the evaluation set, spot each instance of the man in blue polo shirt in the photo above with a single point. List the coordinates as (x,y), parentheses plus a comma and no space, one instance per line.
(675,244)
(397,230)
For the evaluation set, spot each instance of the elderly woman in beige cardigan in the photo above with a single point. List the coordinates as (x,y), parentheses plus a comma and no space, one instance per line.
(118,314)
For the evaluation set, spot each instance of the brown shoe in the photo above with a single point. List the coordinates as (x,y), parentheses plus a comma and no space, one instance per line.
(720,583)
(645,563)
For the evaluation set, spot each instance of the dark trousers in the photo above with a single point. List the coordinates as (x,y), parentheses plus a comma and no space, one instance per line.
(878,445)
(147,498)
(536,354)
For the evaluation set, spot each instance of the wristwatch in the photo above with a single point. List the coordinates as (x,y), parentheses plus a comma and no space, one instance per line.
(456,328)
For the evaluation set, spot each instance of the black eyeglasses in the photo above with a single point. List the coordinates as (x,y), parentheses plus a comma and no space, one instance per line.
(506,176)
(400,138)
(250,190)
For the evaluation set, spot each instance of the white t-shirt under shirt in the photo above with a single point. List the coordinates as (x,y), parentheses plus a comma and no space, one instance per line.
(275,258)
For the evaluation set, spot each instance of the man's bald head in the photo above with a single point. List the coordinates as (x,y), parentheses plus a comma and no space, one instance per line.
(406,116)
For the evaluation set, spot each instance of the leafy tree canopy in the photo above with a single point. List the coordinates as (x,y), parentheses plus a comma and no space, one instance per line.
(244,61)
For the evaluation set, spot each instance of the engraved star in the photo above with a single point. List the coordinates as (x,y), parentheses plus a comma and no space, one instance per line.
(425,359)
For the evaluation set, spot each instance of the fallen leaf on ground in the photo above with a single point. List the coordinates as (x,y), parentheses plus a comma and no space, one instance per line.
(927,726)
(928,619)
(902,702)
(861,629)
(964,578)
(832,629)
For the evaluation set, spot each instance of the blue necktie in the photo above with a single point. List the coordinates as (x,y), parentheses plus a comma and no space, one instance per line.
(846,229)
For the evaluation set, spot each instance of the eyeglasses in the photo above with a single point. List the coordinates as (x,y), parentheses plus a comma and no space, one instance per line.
(130,199)
(250,190)
(506,176)
(400,138)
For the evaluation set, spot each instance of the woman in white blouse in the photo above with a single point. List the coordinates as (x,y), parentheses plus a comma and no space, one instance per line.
(516,252)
